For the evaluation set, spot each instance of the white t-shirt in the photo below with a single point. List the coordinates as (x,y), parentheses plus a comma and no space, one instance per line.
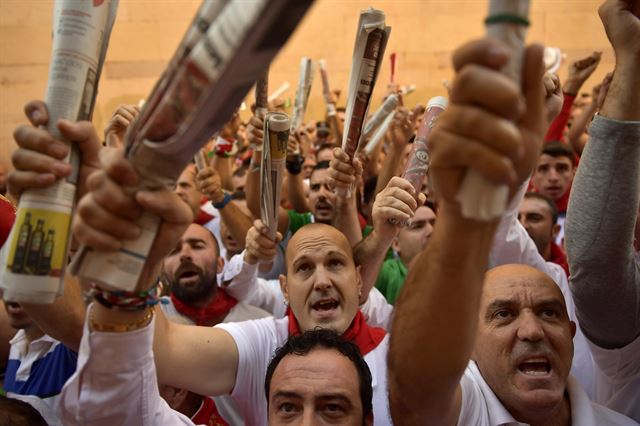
(480,406)
(257,342)
(617,378)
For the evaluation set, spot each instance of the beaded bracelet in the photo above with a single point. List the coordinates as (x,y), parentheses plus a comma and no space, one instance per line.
(506,18)
(126,300)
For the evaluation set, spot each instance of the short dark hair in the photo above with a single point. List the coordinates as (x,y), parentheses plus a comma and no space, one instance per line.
(321,165)
(324,338)
(549,201)
(559,149)
(19,413)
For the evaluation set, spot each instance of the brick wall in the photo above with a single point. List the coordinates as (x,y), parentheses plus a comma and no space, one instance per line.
(147,32)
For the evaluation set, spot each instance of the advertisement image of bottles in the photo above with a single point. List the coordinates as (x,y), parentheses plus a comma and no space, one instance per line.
(34,252)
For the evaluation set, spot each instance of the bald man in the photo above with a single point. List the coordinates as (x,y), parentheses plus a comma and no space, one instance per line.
(322,288)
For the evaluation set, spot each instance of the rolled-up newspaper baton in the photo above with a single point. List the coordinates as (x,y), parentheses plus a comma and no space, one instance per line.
(507,21)
(201,95)
(332,112)
(378,135)
(368,52)
(305,81)
(36,251)
(418,162)
(274,154)
(279,91)
(262,95)
(378,117)
(201,161)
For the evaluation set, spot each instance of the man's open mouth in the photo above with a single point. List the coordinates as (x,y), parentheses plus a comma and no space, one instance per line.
(325,305)
(539,366)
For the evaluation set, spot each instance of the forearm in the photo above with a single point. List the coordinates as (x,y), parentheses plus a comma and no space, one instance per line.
(579,125)
(236,220)
(346,219)
(296,193)
(64,318)
(252,186)
(223,167)
(599,233)
(445,282)
(556,129)
(623,99)
(370,254)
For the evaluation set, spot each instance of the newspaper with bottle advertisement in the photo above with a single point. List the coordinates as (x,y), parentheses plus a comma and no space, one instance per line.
(478,197)
(274,154)
(199,92)
(35,255)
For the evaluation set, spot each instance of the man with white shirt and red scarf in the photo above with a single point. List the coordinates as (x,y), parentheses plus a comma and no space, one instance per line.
(504,351)
(322,288)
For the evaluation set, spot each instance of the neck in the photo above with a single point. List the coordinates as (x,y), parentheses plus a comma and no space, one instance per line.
(546,253)
(558,415)
(206,300)
(191,404)
(33,333)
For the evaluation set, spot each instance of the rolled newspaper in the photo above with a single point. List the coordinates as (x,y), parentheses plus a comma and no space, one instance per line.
(201,161)
(262,95)
(329,101)
(507,21)
(378,135)
(274,154)
(418,162)
(407,90)
(197,95)
(279,91)
(388,107)
(368,52)
(302,92)
(36,251)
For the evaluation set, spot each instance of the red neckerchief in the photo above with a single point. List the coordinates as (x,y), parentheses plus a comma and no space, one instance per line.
(563,202)
(359,332)
(203,217)
(557,256)
(208,414)
(218,307)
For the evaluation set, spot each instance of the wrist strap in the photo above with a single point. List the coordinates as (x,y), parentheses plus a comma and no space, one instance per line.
(224,202)
(294,165)
(126,300)
(121,328)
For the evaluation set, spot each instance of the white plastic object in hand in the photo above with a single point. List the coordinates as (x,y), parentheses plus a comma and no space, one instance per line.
(478,197)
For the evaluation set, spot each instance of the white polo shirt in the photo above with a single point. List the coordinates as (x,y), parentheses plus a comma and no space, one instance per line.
(480,406)
(617,378)
(257,342)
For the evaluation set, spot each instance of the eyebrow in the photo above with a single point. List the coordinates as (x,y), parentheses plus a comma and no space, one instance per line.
(510,303)
(286,394)
(191,241)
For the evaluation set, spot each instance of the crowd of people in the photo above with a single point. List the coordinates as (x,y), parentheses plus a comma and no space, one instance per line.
(374,304)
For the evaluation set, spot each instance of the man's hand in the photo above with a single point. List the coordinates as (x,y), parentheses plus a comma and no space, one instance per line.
(210,184)
(623,29)
(492,125)
(401,128)
(393,207)
(39,160)
(342,172)
(580,71)
(259,247)
(553,96)
(120,121)
(107,214)
(255,133)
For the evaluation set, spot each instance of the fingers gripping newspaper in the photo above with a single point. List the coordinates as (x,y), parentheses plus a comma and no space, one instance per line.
(368,53)
(212,71)
(479,198)
(36,254)
(274,153)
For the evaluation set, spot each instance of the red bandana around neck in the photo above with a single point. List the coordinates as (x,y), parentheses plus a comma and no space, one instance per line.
(220,306)
(208,414)
(359,332)
(203,217)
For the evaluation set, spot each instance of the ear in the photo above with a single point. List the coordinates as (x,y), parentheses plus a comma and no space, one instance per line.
(361,297)
(220,264)
(555,229)
(283,287)
(572,327)
(395,246)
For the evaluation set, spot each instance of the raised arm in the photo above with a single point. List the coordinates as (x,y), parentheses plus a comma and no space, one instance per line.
(476,132)
(603,208)
(344,174)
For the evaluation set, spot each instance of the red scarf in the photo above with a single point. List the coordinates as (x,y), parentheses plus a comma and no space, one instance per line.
(557,256)
(218,307)
(203,217)
(208,414)
(365,337)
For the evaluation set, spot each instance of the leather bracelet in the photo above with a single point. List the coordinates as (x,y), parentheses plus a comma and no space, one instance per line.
(294,165)
(224,202)
(121,328)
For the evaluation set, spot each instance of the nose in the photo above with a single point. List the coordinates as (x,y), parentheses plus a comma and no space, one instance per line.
(321,281)
(530,328)
(185,253)
(553,175)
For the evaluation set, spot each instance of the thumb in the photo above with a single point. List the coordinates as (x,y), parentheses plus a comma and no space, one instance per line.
(83,134)
(533,90)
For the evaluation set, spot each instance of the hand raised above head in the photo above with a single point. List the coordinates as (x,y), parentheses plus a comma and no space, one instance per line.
(343,171)
(394,206)
(259,247)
